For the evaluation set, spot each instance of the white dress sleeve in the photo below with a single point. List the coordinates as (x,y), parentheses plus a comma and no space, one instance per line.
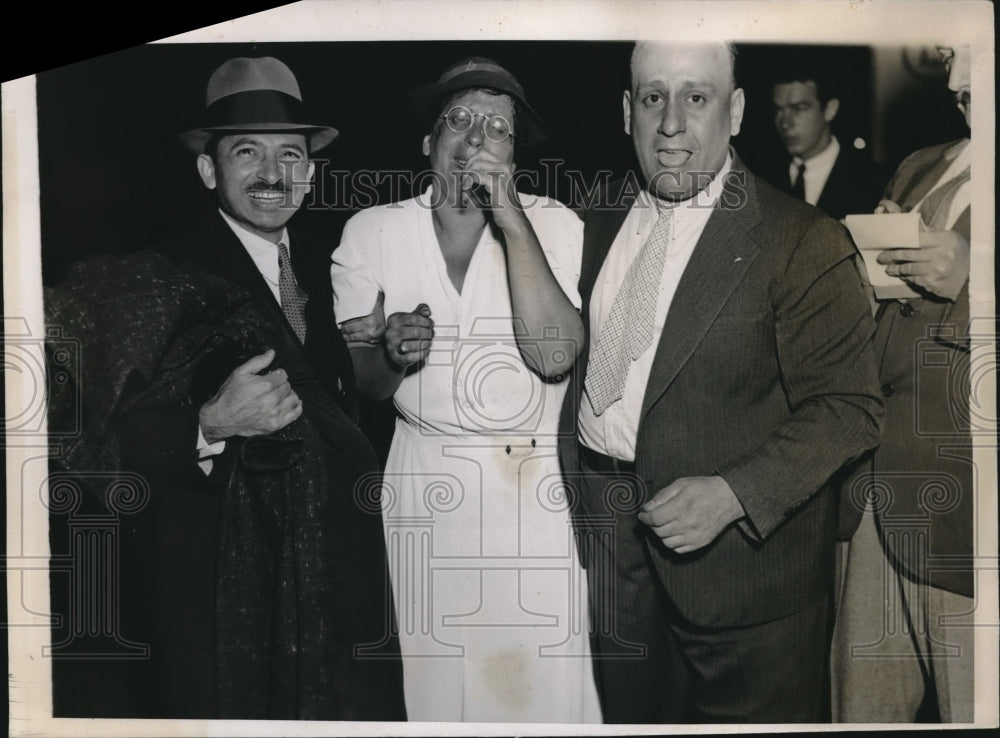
(356,271)
(560,233)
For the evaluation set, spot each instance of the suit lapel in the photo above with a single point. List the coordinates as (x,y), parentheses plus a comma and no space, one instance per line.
(923,178)
(324,344)
(781,179)
(311,263)
(327,358)
(720,259)
(232,262)
(601,228)
(834,185)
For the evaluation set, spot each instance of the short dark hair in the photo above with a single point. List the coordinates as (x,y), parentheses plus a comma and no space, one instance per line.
(212,146)
(806,66)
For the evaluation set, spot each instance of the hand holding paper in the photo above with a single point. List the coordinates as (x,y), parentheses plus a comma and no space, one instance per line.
(876,233)
(900,251)
(940,265)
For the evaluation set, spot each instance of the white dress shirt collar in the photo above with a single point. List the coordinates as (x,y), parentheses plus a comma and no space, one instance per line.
(695,209)
(818,170)
(263,252)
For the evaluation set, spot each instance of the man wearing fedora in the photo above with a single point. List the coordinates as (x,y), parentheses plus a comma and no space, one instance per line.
(276,605)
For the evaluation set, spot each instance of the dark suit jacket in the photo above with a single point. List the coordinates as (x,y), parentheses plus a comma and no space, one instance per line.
(763,375)
(923,467)
(854,185)
(213,247)
(179,544)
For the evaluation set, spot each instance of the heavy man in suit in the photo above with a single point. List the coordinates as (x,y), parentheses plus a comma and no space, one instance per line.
(727,376)
(263,598)
(903,642)
(819,169)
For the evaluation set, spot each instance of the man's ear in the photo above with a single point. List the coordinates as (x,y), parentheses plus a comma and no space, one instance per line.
(830,109)
(627,111)
(737,101)
(206,169)
(426,147)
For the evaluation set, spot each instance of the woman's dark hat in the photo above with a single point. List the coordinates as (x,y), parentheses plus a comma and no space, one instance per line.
(255,95)
(474,72)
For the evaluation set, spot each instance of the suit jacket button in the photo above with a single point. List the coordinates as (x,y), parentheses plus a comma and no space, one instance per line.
(906,310)
(888,390)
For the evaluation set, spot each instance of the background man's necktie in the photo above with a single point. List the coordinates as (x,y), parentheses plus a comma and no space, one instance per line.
(799,185)
(628,330)
(293,297)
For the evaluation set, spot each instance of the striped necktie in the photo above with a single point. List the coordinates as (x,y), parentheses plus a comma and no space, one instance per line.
(628,330)
(293,297)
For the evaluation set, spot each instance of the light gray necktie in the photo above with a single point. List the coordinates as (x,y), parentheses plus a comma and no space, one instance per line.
(628,330)
(293,297)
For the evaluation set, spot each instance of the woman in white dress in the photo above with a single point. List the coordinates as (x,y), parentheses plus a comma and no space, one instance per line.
(479,286)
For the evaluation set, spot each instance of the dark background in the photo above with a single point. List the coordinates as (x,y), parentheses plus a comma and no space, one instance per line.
(114,177)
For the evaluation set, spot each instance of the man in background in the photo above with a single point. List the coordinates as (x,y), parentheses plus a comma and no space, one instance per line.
(819,168)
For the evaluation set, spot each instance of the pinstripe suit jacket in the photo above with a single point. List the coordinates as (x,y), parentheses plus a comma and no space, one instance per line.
(764,375)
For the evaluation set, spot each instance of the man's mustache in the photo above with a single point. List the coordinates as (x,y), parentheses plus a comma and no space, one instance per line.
(262,186)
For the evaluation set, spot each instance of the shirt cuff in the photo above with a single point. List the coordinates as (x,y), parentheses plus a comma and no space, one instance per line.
(206,451)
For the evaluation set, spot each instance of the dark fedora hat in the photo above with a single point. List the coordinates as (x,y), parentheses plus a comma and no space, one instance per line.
(478,72)
(258,94)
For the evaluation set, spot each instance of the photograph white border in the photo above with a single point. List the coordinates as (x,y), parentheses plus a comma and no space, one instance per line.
(876,22)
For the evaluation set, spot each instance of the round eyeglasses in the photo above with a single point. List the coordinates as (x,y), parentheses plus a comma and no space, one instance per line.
(496,128)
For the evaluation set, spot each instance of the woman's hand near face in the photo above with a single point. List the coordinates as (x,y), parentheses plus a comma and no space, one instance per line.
(537,299)
(496,176)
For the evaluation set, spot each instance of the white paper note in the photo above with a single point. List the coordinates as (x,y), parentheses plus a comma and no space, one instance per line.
(874,233)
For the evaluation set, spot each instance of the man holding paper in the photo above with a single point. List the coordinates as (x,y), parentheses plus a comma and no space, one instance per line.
(906,508)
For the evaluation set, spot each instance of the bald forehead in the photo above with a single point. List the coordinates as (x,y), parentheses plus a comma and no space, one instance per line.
(648,57)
